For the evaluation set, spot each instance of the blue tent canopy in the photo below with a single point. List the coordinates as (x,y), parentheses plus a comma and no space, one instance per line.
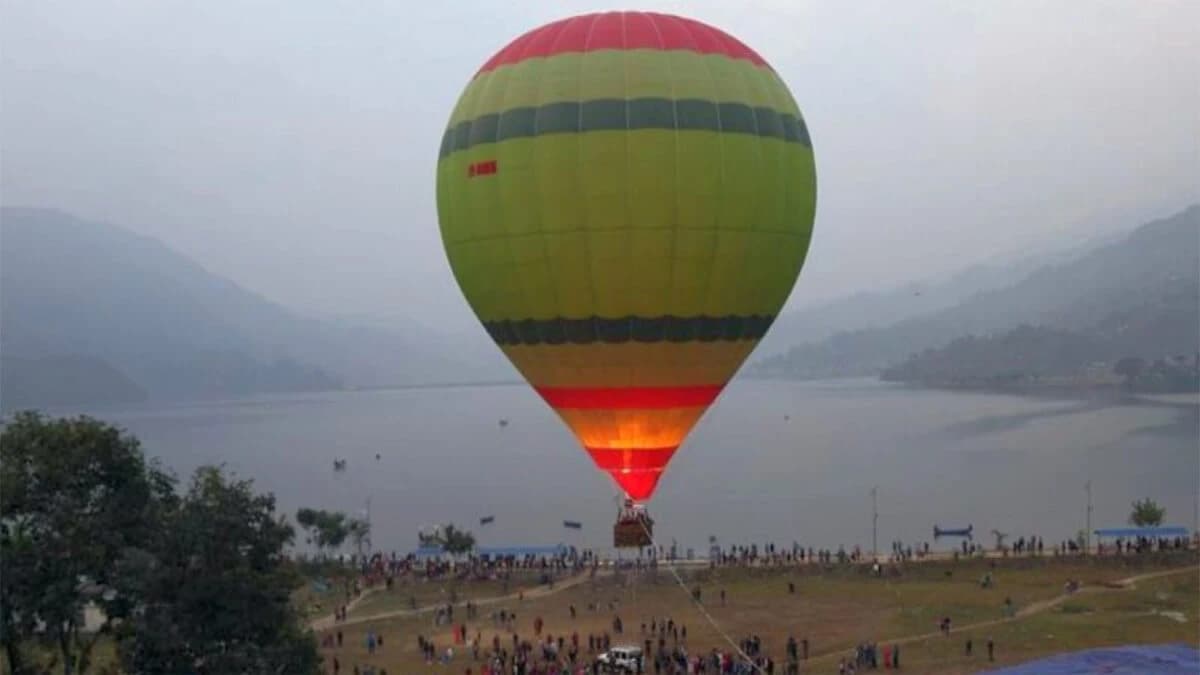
(428,552)
(519,551)
(1148,532)
(497,551)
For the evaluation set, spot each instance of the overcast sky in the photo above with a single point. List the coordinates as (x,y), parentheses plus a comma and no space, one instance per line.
(292,145)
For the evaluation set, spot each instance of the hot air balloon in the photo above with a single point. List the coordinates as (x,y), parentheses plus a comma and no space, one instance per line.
(626,200)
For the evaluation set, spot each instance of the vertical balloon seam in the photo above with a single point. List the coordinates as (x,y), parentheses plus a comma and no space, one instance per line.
(628,179)
(752,243)
(585,228)
(676,225)
(494,188)
(721,191)
(550,264)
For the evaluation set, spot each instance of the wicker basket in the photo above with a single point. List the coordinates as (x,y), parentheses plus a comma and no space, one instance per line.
(632,533)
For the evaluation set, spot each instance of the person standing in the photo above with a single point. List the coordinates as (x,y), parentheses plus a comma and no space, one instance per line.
(991,649)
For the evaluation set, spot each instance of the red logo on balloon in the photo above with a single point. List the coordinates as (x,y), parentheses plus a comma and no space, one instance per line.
(481,168)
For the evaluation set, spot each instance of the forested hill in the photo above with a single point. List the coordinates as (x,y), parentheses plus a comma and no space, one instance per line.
(1134,297)
(94,313)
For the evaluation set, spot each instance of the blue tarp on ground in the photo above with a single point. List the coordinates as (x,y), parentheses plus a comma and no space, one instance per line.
(1179,659)
(1147,532)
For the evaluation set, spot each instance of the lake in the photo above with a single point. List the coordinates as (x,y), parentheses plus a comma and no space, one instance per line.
(746,474)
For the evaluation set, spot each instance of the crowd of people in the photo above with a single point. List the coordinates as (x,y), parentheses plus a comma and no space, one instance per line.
(1123,546)
(870,656)
(386,568)
(383,568)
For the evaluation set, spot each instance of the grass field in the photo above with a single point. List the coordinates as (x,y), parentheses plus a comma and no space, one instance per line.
(839,608)
(833,608)
(1160,610)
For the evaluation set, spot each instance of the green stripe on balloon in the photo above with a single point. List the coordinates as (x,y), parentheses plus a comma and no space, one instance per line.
(595,329)
(624,114)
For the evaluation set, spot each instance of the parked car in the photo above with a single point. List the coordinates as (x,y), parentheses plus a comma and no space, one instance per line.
(625,659)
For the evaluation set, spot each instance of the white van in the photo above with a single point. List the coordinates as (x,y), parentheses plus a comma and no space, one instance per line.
(620,660)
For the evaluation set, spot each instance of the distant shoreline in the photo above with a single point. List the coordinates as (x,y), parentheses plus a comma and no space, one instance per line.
(1105,394)
(1098,394)
(6,413)
(1068,392)
(434,385)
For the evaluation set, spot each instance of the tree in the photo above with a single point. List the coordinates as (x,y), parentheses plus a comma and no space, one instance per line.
(360,532)
(18,592)
(78,501)
(216,591)
(1147,513)
(325,529)
(449,538)
(457,541)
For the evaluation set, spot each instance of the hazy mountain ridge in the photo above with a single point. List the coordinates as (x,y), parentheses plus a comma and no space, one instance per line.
(98,293)
(63,381)
(1038,357)
(1157,265)
(878,309)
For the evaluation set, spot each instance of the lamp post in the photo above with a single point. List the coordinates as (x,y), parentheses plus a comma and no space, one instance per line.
(1087,534)
(874,523)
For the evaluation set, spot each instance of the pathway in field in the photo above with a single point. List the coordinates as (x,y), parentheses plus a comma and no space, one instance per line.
(1126,584)
(327,622)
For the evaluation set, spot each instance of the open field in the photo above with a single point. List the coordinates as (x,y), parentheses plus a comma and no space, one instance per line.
(1150,599)
(838,608)
(1158,610)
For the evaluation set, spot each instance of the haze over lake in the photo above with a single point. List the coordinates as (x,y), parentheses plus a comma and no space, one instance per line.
(746,474)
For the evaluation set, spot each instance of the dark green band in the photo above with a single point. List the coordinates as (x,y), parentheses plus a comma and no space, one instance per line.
(614,114)
(636,329)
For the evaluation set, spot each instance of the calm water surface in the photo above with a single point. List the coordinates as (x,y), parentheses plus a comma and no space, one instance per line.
(746,474)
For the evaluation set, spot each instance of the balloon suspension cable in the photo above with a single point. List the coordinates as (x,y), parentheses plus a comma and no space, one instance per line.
(696,601)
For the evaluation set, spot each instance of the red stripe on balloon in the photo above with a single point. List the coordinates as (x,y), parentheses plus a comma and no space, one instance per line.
(621,30)
(636,470)
(618,398)
(638,485)
(632,459)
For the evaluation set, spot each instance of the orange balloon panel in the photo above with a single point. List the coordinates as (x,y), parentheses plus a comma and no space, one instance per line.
(627,419)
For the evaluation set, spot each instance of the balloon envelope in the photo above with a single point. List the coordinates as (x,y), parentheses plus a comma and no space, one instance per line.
(626,199)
